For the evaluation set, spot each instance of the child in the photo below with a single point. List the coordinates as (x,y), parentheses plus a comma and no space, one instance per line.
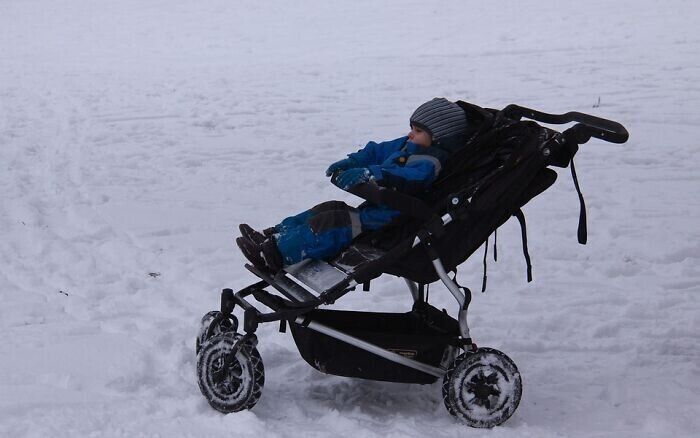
(409,164)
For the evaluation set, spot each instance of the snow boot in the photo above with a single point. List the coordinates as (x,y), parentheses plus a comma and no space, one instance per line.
(272,255)
(252,252)
(251,234)
(263,255)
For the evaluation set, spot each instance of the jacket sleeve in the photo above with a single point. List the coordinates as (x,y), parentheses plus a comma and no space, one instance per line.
(415,176)
(375,153)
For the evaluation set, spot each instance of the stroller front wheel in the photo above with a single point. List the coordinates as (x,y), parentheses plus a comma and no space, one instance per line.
(230,381)
(482,389)
(214,323)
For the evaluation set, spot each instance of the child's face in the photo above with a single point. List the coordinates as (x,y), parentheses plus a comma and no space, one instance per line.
(420,137)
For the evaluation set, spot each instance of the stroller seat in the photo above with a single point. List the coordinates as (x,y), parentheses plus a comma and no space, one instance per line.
(357,255)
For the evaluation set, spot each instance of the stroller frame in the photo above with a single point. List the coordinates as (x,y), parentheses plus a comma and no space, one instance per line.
(302,288)
(302,300)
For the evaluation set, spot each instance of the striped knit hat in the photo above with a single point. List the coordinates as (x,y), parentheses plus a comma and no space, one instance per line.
(440,117)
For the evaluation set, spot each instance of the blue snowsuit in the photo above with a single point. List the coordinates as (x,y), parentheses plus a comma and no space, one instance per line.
(326,229)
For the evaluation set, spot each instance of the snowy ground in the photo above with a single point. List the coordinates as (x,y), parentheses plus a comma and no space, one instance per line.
(135,135)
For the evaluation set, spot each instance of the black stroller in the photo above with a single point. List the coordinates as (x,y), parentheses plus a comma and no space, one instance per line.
(502,165)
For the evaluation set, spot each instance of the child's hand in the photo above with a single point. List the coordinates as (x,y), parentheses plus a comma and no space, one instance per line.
(353,177)
(345,164)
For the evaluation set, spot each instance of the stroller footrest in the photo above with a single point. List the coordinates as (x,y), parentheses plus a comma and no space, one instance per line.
(316,275)
(290,289)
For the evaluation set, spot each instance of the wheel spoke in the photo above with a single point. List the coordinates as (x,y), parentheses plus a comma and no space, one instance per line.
(492,378)
(218,376)
(227,384)
(235,370)
(218,371)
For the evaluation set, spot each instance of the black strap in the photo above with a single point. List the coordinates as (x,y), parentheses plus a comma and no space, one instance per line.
(523,228)
(486,251)
(495,248)
(582,228)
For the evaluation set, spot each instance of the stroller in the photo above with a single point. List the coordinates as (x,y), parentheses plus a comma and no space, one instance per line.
(503,164)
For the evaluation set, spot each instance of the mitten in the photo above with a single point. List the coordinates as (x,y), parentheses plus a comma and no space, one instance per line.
(353,177)
(345,164)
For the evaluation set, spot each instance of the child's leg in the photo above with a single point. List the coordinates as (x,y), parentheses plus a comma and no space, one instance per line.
(303,217)
(374,217)
(324,235)
(293,221)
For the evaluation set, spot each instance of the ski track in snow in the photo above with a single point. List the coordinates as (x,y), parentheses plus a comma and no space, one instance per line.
(135,136)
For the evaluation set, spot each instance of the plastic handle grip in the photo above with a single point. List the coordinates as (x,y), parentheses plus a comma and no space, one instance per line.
(597,127)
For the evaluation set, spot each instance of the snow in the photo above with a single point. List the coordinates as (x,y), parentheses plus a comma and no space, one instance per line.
(136,135)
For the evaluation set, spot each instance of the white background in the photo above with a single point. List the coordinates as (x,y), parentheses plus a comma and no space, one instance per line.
(135,136)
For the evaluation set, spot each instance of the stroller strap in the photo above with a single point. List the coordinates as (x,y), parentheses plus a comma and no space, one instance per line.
(582,227)
(523,230)
(495,256)
(486,251)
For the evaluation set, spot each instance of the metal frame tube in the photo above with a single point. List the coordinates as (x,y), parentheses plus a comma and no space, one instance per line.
(463,326)
(459,296)
(413,287)
(359,343)
(452,286)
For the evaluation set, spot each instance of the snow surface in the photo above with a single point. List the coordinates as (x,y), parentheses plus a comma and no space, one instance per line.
(136,134)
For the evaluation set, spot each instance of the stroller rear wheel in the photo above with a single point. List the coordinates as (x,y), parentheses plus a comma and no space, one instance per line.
(230,381)
(482,389)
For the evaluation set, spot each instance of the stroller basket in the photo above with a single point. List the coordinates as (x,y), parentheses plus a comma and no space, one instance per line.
(424,334)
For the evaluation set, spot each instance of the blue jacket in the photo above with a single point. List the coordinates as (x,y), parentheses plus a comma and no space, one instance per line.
(399,164)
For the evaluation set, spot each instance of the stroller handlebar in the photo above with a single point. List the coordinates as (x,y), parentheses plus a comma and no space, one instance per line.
(597,127)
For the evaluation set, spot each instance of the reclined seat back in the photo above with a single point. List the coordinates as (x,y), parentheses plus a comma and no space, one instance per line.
(497,171)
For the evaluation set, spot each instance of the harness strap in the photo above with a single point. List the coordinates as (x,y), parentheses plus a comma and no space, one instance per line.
(486,251)
(582,228)
(495,248)
(523,228)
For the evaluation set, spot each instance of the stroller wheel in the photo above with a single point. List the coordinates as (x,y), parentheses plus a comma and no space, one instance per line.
(218,323)
(482,389)
(230,382)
